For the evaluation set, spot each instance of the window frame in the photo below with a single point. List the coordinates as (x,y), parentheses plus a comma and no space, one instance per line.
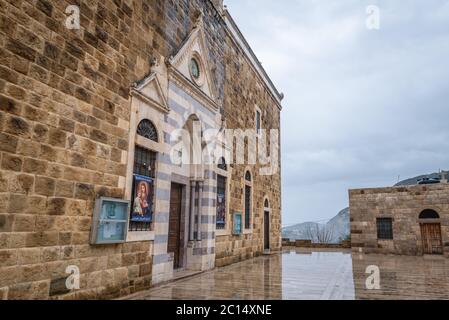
(258,120)
(381,229)
(140,112)
(150,123)
(153,158)
(249,184)
(228,221)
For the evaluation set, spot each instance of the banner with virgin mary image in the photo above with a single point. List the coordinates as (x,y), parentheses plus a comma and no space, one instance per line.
(142,206)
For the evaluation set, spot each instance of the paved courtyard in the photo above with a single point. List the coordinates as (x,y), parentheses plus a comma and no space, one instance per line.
(306,275)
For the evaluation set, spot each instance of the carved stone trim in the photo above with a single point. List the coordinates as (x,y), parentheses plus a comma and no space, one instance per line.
(185,54)
(136,91)
(189,87)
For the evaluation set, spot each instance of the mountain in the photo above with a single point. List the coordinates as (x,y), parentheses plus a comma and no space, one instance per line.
(415,180)
(298,231)
(339,226)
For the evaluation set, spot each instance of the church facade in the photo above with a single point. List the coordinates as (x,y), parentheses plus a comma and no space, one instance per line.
(139,144)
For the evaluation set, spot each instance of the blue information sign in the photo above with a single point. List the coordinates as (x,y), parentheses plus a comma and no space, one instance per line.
(237,227)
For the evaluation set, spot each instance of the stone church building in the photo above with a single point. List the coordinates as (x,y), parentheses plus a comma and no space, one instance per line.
(100,193)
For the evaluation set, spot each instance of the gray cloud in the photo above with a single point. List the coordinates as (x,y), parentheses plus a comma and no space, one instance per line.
(361,107)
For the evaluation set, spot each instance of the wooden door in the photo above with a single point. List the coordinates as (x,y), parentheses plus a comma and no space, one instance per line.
(266,230)
(431,238)
(174,232)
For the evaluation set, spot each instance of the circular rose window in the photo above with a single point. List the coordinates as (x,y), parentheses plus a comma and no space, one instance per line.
(195,69)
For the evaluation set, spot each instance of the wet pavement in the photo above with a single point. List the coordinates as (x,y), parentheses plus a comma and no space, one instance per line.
(302,274)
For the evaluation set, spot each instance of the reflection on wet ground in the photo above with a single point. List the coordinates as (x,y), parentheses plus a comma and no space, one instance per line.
(311,275)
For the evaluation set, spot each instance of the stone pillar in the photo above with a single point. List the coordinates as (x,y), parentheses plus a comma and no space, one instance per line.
(192,210)
(200,209)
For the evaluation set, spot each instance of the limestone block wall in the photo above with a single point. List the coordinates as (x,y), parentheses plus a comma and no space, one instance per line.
(403,205)
(64,132)
(64,137)
(244,90)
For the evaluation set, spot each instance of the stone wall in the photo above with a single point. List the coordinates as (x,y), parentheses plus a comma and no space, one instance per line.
(286,243)
(244,90)
(403,205)
(64,118)
(64,132)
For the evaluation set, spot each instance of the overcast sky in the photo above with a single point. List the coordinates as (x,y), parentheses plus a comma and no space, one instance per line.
(361,106)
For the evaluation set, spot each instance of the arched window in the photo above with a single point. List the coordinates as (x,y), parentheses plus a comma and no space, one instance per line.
(266,204)
(144,174)
(248,200)
(429,214)
(222,164)
(191,152)
(248,176)
(147,130)
(222,182)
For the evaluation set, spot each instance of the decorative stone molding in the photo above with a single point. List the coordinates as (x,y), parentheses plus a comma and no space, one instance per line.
(194,47)
(149,90)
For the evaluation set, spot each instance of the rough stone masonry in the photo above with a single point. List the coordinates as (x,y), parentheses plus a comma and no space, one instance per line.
(65,124)
(407,210)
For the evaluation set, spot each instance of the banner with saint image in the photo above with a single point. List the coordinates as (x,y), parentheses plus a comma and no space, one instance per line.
(142,206)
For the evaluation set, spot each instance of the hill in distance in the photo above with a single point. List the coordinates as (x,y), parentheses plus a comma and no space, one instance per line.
(340,224)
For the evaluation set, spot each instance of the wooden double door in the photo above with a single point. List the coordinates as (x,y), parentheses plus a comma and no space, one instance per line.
(431,238)
(175,231)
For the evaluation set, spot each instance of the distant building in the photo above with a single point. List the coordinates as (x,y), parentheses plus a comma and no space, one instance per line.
(406,220)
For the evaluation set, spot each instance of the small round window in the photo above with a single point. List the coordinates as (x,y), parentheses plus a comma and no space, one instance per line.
(195,68)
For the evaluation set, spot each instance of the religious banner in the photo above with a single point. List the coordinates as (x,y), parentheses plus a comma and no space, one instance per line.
(221,210)
(142,199)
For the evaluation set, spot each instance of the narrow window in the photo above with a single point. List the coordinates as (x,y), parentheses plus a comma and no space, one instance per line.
(385,229)
(258,121)
(221,202)
(222,169)
(247,200)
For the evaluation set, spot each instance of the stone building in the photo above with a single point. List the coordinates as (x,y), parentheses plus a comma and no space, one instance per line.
(406,220)
(101,112)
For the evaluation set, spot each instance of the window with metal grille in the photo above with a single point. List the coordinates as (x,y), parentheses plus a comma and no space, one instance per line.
(147,130)
(144,162)
(385,228)
(144,165)
(221,202)
(247,207)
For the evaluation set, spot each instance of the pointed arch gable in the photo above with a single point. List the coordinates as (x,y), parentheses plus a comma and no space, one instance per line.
(194,48)
(149,90)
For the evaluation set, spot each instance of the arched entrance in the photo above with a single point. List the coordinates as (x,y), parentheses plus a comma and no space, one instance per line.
(431,232)
(266,215)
